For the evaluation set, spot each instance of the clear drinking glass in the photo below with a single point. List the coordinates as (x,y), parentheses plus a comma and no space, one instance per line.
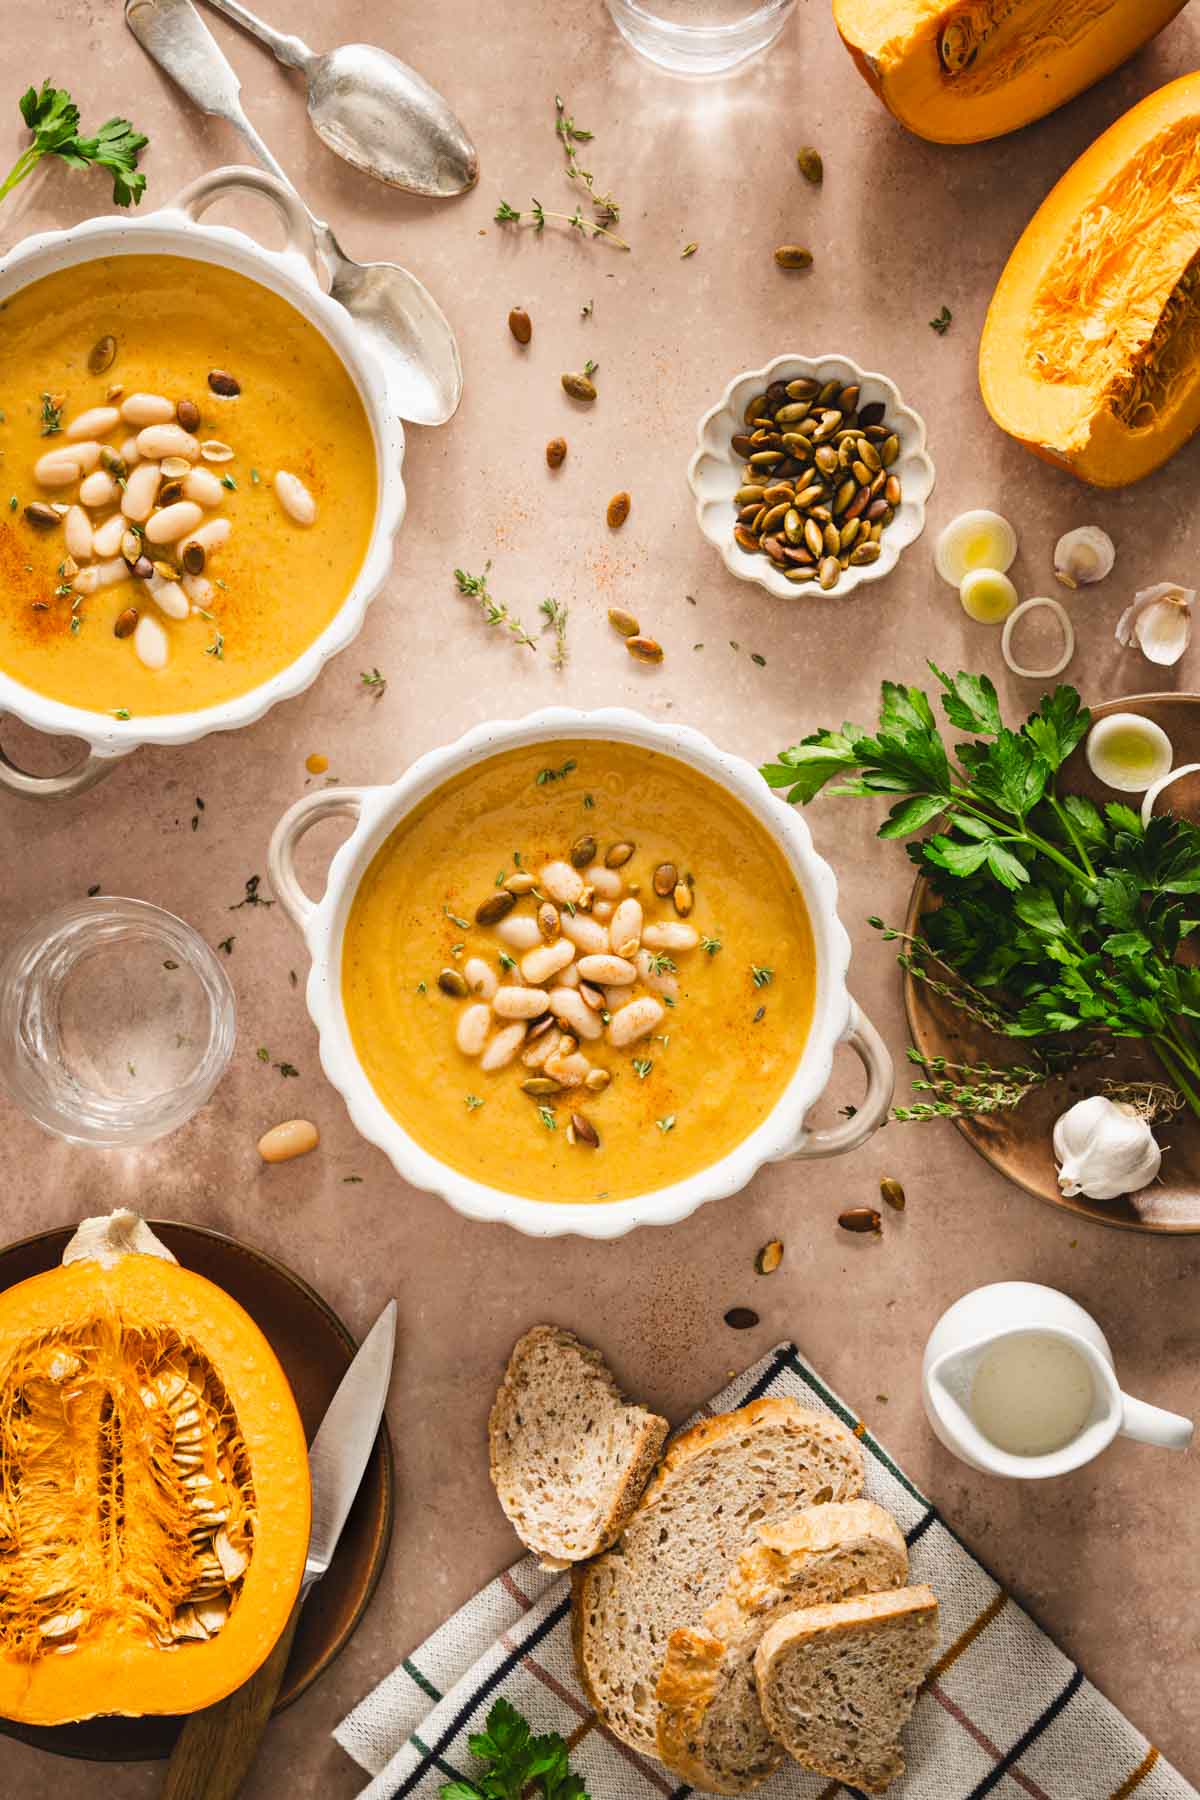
(116,1021)
(699,37)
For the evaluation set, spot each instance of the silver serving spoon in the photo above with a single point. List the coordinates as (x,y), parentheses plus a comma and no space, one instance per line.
(402,322)
(374,111)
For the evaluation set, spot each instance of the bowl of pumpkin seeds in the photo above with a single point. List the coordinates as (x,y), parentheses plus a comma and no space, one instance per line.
(810,476)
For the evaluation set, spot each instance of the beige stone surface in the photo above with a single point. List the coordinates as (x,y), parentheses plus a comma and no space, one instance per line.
(1107,1558)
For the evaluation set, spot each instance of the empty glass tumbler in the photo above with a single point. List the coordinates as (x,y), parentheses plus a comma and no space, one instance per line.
(699,37)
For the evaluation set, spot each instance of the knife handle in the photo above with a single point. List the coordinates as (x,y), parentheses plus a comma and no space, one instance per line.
(215,1749)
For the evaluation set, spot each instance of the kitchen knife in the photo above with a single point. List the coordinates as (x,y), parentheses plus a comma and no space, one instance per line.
(215,1749)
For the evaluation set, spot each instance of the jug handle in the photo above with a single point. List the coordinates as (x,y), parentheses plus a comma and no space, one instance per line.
(1152,1425)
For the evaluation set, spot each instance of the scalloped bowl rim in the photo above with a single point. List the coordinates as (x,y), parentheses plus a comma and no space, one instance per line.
(172,232)
(755,568)
(382,809)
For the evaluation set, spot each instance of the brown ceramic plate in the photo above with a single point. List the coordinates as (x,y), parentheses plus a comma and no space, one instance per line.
(315,1349)
(1018,1143)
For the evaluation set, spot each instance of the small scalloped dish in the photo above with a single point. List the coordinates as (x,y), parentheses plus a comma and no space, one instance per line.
(714,472)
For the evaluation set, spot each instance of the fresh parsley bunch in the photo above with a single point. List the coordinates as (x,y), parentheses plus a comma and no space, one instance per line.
(53,118)
(1060,918)
(517,1760)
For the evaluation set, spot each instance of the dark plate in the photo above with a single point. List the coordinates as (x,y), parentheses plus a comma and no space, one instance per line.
(1018,1143)
(315,1349)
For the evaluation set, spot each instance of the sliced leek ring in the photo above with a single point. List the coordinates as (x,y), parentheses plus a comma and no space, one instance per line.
(1068,633)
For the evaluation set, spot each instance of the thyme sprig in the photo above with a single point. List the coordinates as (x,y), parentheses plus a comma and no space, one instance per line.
(607,208)
(555,615)
(538,214)
(494,612)
(968,1090)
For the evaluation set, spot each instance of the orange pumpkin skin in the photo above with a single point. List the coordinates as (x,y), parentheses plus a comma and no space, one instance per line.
(961,71)
(1090,354)
(117,1666)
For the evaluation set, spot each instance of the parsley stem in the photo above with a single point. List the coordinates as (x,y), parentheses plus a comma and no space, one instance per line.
(1167,1058)
(1064,819)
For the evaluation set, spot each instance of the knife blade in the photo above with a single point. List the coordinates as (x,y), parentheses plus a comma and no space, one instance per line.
(215,1749)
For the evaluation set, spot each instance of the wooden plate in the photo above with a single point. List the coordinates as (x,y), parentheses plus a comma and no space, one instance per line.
(1018,1143)
(315,1349)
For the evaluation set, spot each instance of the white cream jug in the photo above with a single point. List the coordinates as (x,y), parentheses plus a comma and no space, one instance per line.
(1036,1368)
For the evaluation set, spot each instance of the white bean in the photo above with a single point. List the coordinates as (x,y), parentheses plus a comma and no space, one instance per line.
(173,522)
(519,931)
(77,532)
(198,588)
(569,977)
(605,882)
(57,469)
(210,536)
(98,421)
(129,452)
(141,491)
(561,882)
(637,1020)
(616,998)
(573,1010)
(540,1049)
(150,642)
(167,440)
(607,971)
(202,486)
(108,574)
(481,979)
(570,1071)
(519,1002)
(106,539)
(671,934)
(662,981)
(474,1023)
(169,597)
(625,932)
(98,489)
(603,910)
(295,498)
(547,960)
(503,1047)
(585,933)
(146,409)
(87,580)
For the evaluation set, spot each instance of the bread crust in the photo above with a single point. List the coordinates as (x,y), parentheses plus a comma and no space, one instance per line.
(686,1689)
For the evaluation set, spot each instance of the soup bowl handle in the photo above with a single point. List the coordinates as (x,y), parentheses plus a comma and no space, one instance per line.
(216,184)
(91,768)
(871,1113)
(296,823)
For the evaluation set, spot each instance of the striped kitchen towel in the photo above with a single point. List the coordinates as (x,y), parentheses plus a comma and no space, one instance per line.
(1003,1710)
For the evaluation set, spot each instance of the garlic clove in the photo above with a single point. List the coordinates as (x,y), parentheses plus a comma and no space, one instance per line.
(1104,1149)
(1159,621)
(1084,555)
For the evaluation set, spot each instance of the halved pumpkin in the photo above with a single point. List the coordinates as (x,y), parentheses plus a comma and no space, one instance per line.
(1091,349)
(154,1494)
(958,71)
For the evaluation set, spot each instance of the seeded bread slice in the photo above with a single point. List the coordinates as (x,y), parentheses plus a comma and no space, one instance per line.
(569,1458)
(837,1683)
(710,1726)
(715,1485)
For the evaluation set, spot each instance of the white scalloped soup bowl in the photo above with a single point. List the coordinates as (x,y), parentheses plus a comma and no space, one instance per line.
(175,231)
(715,473)
(378,810)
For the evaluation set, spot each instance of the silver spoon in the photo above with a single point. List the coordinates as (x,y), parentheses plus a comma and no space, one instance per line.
(374,111)
(399,317)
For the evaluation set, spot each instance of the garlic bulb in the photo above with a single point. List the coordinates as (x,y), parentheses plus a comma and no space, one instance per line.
(1104,1148)
(1159,622)
(1084,555)
(110,1236)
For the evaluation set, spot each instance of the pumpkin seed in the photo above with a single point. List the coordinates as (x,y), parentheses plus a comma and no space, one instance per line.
(42,516)
(889,450)
(193,558)
(756,408)
(617,855)
(803,388)
(664,878)
(860,1218)
(520,324)
(828,572)
(188,414)
(556,452)
(497,906)
(833,539)
(520,882)
(548,922)
(223,383)
(891,490)
(796,576)
(645,649)
(618,511)
(741,1318)
(845,495)
(539,1085)
(126,623)
(892,1192)
(580,387)
(583,851)
(740,444)
(871,414)
(793,256)
(865,553)
(683,899)
(596,1080)
(585,1131)
(808,161)
(102,354)
(454,984)
(814,537)
(769,1257)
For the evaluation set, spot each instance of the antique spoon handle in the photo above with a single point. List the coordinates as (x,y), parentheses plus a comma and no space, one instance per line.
(293,52)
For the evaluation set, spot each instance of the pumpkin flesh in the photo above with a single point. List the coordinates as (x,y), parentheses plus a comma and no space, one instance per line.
(1090,351)
(154,1496)
(959,71)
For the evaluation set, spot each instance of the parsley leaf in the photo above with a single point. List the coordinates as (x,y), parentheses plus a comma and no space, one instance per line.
(53,118)
(517,1761)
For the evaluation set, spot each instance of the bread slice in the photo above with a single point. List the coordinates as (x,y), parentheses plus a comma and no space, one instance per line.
(717,1483)
(710,1726)
(569,1458)
(837,1683)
